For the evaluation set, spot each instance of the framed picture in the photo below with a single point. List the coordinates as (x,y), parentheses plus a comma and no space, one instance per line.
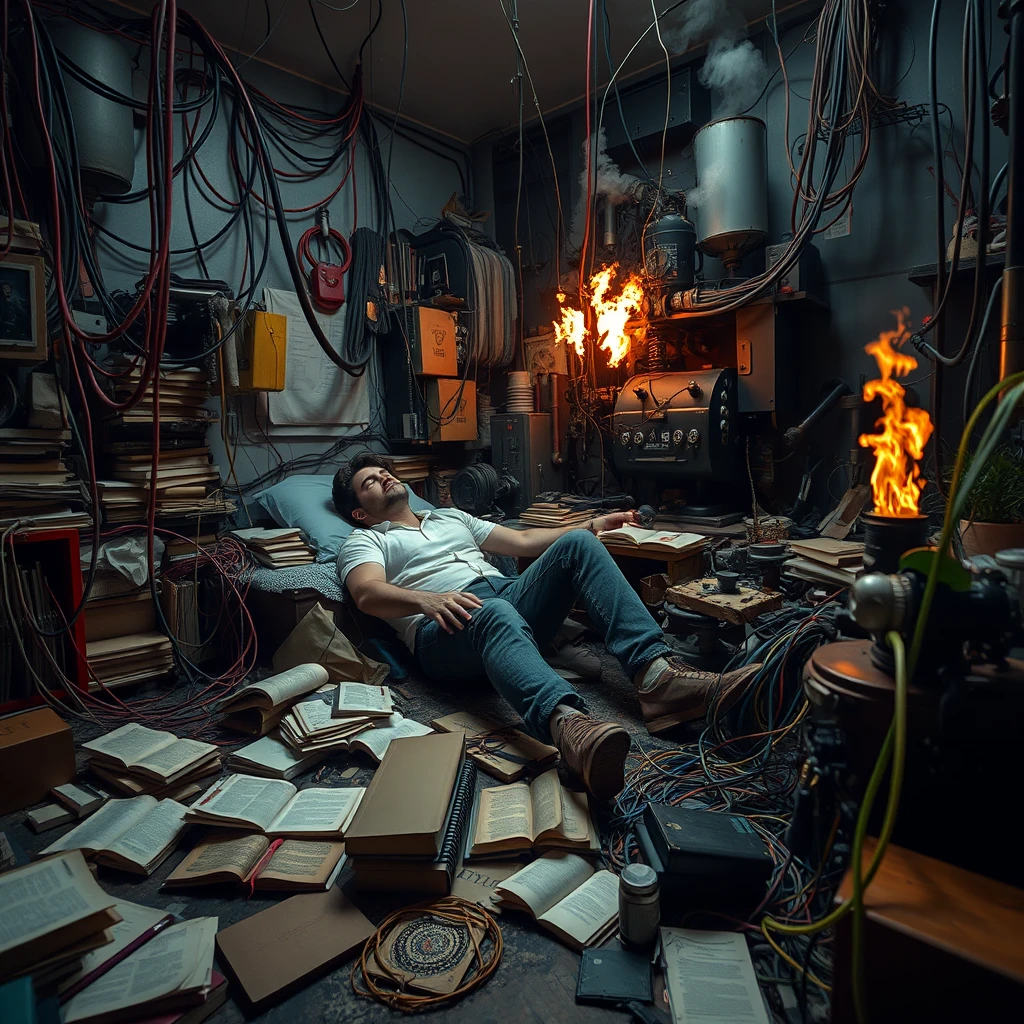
(22,308)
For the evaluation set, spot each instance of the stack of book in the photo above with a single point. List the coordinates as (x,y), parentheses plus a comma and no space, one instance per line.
(310,731)
(554,513)
(121,660)
(35,485)
(259,707)
(55,914)
(189,545)
(834,563)
(276,548)
(409,832)
(183,395)
(137,760)
(411,469)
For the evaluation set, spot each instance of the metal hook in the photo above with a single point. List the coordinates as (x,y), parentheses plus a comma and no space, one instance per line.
(324,216)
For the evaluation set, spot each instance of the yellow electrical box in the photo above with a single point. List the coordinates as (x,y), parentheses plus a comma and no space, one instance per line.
(262,352)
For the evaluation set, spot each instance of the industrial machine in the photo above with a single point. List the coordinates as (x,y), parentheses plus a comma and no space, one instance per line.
(521,451)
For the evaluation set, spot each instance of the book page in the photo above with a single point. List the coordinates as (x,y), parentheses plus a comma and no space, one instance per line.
(270,753)
(504,813)
(377,741)
(586,911)
(135,919)
(45,896)
(130,742)
(243,798)
(575,815)
(548,879)
(292,683)
(710,978)
(357,697)
(303,860)
(676,541)
(546,792)
(175,756)
(627,535)
(106,826)
(149,837)
(163,966)
(317,810)
(225,852)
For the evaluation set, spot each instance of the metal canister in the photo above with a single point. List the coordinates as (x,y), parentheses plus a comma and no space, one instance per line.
(639,905)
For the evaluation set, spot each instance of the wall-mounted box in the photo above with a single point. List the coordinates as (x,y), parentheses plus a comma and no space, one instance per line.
(452,409)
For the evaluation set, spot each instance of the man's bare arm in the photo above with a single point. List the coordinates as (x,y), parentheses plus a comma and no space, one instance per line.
(373,595)
(529,543)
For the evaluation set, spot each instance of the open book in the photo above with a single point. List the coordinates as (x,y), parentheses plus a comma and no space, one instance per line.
(503,751)
(297,865)
(309,727)
(567,897)
(361,700)
(277,808)
(134,835)
(151,753)
(667,540)
(255,709)
(540,815)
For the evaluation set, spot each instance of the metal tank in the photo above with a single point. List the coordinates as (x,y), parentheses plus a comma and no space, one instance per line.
(669,252)
(103,127)
(732,188)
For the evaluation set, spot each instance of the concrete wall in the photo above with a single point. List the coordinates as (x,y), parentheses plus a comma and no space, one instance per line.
(892,224)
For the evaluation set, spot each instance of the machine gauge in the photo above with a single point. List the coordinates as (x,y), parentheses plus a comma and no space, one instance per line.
(693,437)
(677,437)
(638,437)
(624,437)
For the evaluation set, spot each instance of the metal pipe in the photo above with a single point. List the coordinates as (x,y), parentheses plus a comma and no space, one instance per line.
(611,234)
(1011,335)
(796,436)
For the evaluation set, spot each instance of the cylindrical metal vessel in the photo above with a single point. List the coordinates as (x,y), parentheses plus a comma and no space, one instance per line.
(639,905)
(669,252)
(732,184)
(103,128)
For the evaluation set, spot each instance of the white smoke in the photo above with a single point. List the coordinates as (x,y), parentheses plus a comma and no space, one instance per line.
(734,67)
(610,182)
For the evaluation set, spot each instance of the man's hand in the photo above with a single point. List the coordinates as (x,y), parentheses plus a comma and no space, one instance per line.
(614,520)
(450,611)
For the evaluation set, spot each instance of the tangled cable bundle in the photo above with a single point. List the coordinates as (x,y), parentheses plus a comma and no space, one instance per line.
(391,989)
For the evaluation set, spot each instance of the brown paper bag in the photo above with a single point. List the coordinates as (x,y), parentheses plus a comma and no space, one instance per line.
(318,639)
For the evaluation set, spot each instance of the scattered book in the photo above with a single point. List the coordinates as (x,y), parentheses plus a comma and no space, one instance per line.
(817,572)
(408,800)
(309,727)
(297,865)
(373,741)
(149,755)
(255,709)
(51,910)
(276,808)
(173,971)
(360,700)
(554,513)
(565,896)
(830,552)
(520,817)
(135,835)
(275,951)
(664,540)
(80,799)
(503,751)
(42,819)
(271,758)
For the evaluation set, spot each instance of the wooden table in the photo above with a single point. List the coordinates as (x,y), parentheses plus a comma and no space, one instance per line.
(739,608)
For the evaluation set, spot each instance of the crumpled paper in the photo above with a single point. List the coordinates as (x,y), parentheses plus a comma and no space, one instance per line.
(126,556)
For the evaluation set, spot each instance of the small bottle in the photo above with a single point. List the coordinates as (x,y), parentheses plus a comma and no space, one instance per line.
(639,905)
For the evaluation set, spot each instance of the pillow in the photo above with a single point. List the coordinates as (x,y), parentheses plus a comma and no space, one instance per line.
(307,502)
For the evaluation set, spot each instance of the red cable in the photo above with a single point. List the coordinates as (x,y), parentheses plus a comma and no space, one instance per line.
(590,146)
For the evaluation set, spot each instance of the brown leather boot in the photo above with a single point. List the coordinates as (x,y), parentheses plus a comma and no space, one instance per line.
(594,751)
(681,693)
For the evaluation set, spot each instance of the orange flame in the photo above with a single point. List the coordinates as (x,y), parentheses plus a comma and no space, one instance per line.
(610,315)
(896,480)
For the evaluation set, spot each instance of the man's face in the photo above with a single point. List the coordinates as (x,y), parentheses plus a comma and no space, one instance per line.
(379,495)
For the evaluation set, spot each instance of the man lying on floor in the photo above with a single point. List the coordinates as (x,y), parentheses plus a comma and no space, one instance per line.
(425,573)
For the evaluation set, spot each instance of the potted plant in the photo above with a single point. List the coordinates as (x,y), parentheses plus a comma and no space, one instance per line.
(994,510)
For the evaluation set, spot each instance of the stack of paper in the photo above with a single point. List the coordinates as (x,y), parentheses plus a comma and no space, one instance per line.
(360,700)
(309,728)
(553,513)
(120,660)
(170,973)
(410,468)
(276,548)
(137,760)
(54,913)
(276,808)
(177,468)
(834,563)
(182,395)
(134,835)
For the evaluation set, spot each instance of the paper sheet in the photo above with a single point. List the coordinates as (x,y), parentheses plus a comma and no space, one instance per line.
(319,399)
(710,978)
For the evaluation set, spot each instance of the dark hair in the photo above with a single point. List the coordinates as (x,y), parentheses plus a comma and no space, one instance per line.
(345,500)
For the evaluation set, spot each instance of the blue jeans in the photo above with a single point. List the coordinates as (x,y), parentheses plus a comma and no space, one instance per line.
(520,616)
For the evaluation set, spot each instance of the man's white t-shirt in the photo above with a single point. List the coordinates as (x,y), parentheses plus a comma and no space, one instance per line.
(442,555)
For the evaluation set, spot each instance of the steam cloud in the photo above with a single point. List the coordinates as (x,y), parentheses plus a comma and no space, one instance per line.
(611,182)
(733,68)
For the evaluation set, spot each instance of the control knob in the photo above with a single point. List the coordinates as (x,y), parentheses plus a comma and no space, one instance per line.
(638,437)
(693,437)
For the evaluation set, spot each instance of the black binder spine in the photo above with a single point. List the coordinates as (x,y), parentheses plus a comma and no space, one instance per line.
(465,790)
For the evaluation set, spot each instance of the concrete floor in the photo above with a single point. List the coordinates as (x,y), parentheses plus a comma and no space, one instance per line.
(536,981)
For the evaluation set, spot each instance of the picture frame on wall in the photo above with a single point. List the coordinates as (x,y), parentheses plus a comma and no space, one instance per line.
(22,308)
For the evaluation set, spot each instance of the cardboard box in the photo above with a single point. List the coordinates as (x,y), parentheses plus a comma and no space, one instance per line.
(36,754)
(452,407)
(263,352)
(652,589)
(431,335)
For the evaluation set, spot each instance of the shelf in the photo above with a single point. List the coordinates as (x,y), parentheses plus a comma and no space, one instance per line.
(925,274)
